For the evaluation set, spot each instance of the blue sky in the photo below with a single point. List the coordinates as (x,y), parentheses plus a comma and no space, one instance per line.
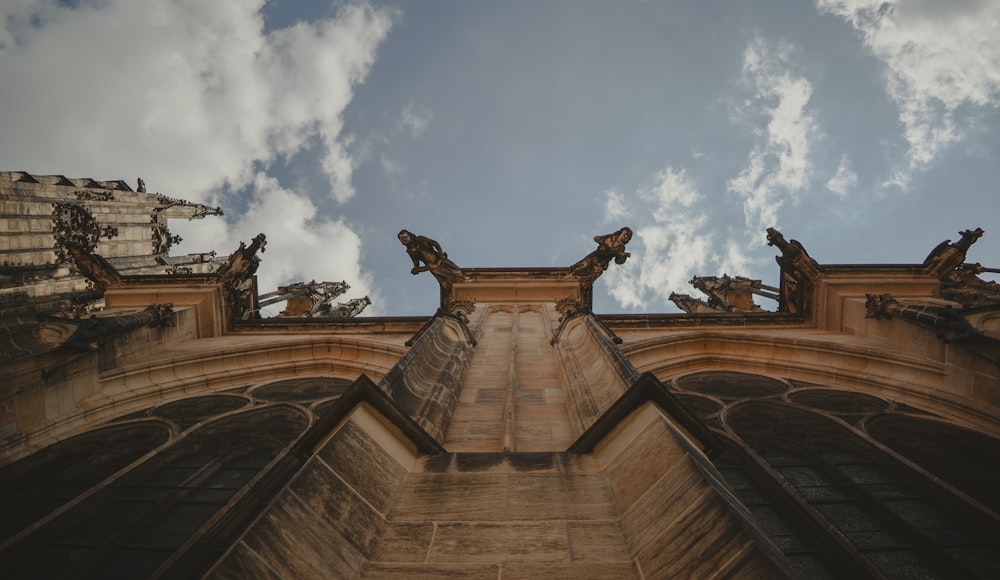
(513,132)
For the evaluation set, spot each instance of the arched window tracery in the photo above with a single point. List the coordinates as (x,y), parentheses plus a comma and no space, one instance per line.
(967,460)
(838,501)
(41,483)
(218,458)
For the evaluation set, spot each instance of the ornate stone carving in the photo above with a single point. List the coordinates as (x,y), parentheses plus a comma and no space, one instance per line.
(947,256)
(351,308)
(72,224)
(881,306)
(609,246)
(162,239)
(733,294)
(242,263)
(77,310)
(88,334)
(94,267)
(161,315)
(968,275)
(963,285)
(461,307)
(793,255)
(423,249)
(567,307)
(88,195)
(140,185)
(798,272)
(236,277)
(305,299)
(693,305)
(199,212)
(948,323)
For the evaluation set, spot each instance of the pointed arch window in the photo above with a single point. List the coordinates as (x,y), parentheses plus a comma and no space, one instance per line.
(839,502)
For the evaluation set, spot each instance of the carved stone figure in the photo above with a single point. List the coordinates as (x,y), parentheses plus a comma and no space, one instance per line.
(242,263)
(609,246)
(94,267)
(948,256)
(351,308)
(729,294)
(423,249)
(793,255)
(693,305)
(305,299)
(881,306)
(141,187)
(798,271)
(963,285)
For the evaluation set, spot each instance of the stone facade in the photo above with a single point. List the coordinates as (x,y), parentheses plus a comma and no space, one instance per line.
(513,433)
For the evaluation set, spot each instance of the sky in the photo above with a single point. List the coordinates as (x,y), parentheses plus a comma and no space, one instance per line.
(514,132)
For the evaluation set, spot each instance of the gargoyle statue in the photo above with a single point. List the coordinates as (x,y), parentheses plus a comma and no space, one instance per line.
(948,256)
(595,263)
(423,249)
(242,263)
(94,267)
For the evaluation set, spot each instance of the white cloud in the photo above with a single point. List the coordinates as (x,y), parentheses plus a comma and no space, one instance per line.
(843,180)
(301,245)
(192,96)
(389,166)
(615,208)
(941,61)
(668,248)
(735,260)
(189,94)
(414,120)
(778,167)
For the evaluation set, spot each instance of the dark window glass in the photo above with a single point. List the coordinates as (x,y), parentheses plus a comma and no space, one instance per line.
(164,506)
(898,520)
(967,460)
(189,412)
(302,389)
(37,485)
(730,385)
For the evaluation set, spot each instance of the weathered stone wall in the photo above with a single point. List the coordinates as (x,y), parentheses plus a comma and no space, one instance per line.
(512,398)
(327,521)
(593,381)
(677,519)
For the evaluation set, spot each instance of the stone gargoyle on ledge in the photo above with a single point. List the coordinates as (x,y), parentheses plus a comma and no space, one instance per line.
(435,260)
(595,263)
